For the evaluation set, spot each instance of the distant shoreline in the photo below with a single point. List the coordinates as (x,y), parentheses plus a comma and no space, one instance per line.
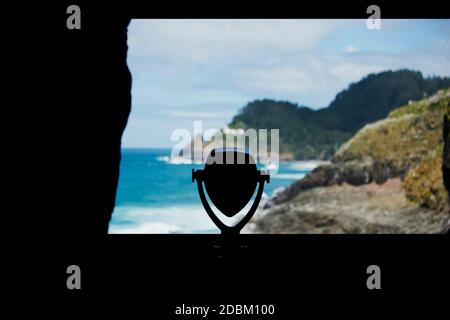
(284,160)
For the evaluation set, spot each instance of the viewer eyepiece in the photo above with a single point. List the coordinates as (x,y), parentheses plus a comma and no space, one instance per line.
(230,178)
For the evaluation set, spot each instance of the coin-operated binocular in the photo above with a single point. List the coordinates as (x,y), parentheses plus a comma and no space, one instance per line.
(230,177)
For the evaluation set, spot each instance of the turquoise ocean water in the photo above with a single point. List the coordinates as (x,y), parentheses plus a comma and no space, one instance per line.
(158,196)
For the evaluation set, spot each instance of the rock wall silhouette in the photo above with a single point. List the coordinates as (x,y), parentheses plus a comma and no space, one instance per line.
(105,107)
(88,104)
(446,159)
(446,164)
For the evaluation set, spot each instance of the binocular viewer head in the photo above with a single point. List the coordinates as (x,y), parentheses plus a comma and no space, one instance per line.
(230,178)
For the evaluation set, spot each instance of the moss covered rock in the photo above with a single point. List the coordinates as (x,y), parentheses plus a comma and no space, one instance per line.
(410,143)
(423,184)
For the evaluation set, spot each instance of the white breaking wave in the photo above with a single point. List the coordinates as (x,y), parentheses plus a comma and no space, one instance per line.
(176,219)
(271,167)
(177,160)
(306,165)
(144,228)
(289,176)
(163,158)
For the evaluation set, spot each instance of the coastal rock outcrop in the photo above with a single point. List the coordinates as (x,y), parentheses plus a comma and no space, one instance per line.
(406,147)
(369,208)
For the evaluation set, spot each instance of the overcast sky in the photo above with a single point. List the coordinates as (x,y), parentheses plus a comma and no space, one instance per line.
(186,70)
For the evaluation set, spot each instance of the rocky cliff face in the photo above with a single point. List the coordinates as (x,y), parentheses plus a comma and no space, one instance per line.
(406,147)
(446,155)
(446,162)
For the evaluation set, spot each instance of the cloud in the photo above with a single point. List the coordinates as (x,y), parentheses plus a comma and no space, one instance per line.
(350,49)
(182,55)
(206,40)
(254,58)
(185,70)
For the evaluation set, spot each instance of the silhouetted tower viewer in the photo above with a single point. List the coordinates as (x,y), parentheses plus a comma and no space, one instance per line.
(230,177)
